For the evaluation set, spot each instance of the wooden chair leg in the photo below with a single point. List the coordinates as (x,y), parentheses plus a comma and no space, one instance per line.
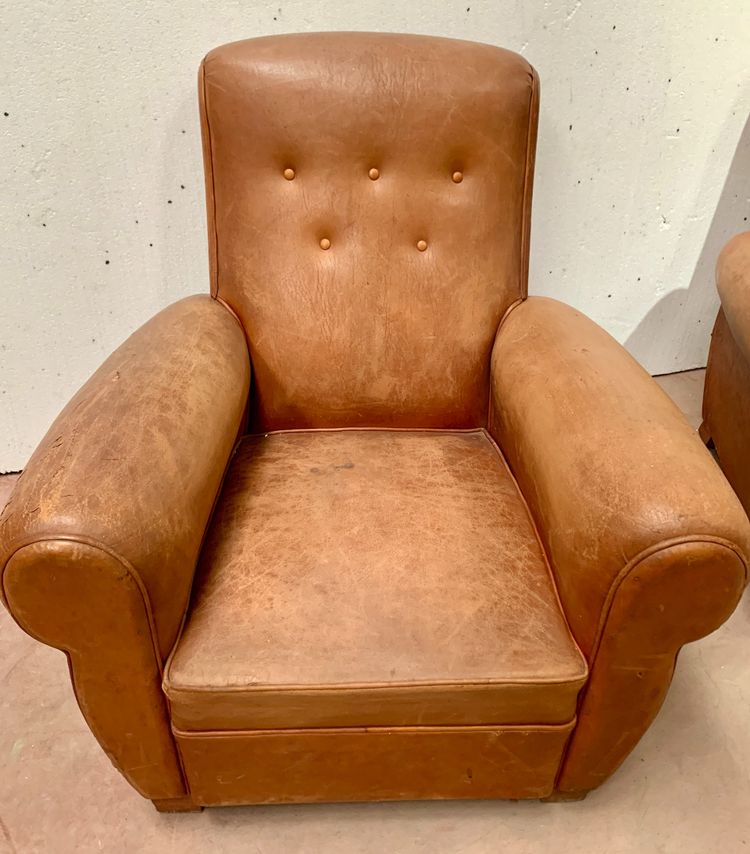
(184,804)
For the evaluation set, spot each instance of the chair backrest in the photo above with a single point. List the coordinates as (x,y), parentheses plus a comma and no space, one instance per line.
(368,202)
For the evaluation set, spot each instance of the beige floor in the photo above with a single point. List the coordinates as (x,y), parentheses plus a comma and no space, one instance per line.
(686,788)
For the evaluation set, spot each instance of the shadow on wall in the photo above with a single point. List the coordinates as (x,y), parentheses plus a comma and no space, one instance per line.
(730,217)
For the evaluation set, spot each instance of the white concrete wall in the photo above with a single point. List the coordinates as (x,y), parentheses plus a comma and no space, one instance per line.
(643,166)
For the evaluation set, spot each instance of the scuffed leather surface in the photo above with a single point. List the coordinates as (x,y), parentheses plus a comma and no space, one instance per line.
(675,595)
(372,331)
(372,577)
(733,284)
(307,766)
(134,461)
(613,475)
(80,599)
(726,407)
(99,541)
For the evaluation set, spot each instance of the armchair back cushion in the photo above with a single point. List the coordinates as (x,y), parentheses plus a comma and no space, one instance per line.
(368,208)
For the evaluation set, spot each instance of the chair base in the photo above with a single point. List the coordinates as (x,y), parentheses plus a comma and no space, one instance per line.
(372,764)
(184,804)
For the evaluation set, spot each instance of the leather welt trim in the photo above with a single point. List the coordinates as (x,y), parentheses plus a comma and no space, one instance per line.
(83,540)
(285,733)
(634,563)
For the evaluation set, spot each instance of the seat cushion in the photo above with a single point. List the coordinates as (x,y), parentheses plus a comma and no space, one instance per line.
(371,578)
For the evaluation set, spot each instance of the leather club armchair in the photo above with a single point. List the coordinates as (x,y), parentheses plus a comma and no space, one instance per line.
(367,522)
(726,402)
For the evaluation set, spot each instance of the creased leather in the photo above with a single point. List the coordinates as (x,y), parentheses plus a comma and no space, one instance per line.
(135,460)
(613,474)
(99,540)
(331,331)
(375,616)
(373,577)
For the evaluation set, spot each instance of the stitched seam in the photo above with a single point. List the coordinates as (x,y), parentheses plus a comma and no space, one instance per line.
(225,304)
(365,687)
(508,310)
(523,272)
(83,540)
(374,730)
(526,201)
(634,563)
(213,234)
(292,430)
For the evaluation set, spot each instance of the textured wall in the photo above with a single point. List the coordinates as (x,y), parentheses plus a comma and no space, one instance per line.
(643,167)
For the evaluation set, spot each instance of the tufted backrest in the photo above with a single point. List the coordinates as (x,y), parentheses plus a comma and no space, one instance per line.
(368,202)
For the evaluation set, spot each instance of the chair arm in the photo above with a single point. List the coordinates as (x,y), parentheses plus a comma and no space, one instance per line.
(733,284)
(647,541)
(99,541)
(726,403)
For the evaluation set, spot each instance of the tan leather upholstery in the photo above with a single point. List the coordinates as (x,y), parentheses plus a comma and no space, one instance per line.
(378,764)
(331,330)
(733,284)
(726,399)
(99,540)
(441,621)
(561,387)
(381,608)
(604,457)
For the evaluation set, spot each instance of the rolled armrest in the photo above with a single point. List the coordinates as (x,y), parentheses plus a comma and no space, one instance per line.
(133,463)
(647,541)
(608,464)
(733,284)
(100,539)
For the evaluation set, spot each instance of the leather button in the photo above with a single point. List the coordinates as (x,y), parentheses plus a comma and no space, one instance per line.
(374,174)
(421,245)
(325,243)
(289,174)
(457,177)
